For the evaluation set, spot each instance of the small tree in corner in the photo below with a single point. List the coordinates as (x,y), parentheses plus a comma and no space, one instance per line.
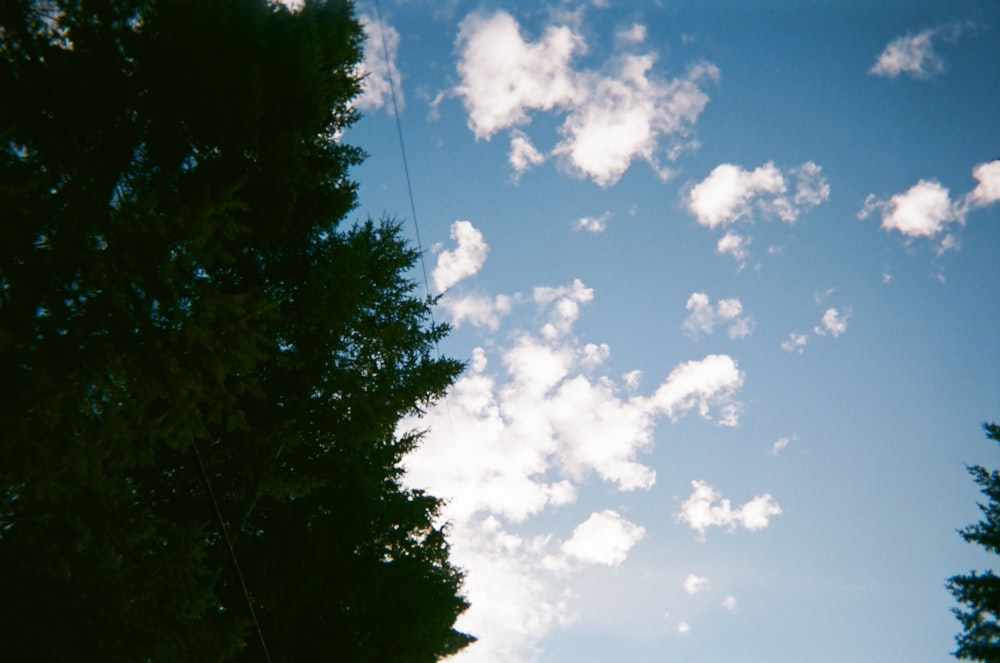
(980,592)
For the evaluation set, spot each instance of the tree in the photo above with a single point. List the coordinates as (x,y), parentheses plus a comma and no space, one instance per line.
(195,358)
(980,592)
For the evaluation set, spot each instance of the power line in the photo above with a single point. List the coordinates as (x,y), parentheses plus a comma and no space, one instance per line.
(232,552)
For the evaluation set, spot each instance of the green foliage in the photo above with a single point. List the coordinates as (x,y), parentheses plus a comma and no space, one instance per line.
(174,281)
(980,592)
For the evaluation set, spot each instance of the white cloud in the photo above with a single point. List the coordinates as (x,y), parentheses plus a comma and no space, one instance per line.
(703,318)
(730,193)
(477,310)
(833,323)
(988,189)
(464,260)
(604,538)
(729,603)
(706,508)
(376,88)
(914,55)
(704,383)
(623,116)
(683,627)
(780,444)
(924,210)
(735,245)
(635,33)
(610,117)
(516,597)
(523,154)
(519,436)
(795,343)
(503,76)
(694,583)
(593,224)
(725,195)
(927,209)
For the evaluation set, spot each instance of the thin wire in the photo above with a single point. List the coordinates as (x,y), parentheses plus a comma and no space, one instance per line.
(402,149)
(420,250)
(225,534)
(232,552)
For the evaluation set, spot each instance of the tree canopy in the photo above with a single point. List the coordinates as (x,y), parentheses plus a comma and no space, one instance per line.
(192,348)
(980,592)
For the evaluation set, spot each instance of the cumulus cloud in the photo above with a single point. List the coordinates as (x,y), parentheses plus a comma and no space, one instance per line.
(833,323)
(706,508)
(610,117)
(729,603)
(376,89)
(593,224)
(924,210)
(987,191)
(927,209)
(604,538)
(730,193)
(521,438)
(695,583)
(704,318)
(464,260)
(703,384)
(683,628)
(913,55)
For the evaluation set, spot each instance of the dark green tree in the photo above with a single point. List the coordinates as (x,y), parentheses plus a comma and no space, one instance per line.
(192,348)
(980,592)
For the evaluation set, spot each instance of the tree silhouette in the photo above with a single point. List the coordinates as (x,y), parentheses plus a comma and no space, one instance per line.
(194,355)
(980,592)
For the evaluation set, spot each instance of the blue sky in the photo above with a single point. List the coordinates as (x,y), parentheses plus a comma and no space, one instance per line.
(726,278)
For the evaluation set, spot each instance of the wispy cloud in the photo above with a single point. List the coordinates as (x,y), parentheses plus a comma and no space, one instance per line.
(913,54)
(376,69)
(593,224)
(782,442)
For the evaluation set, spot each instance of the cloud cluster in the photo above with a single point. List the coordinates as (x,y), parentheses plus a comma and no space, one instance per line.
(731,193)
(914,55)
(609,117)
(704,317)
(521,438)
(593,224)
(376,88)
(706,508)
(927,209)
(832,323)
